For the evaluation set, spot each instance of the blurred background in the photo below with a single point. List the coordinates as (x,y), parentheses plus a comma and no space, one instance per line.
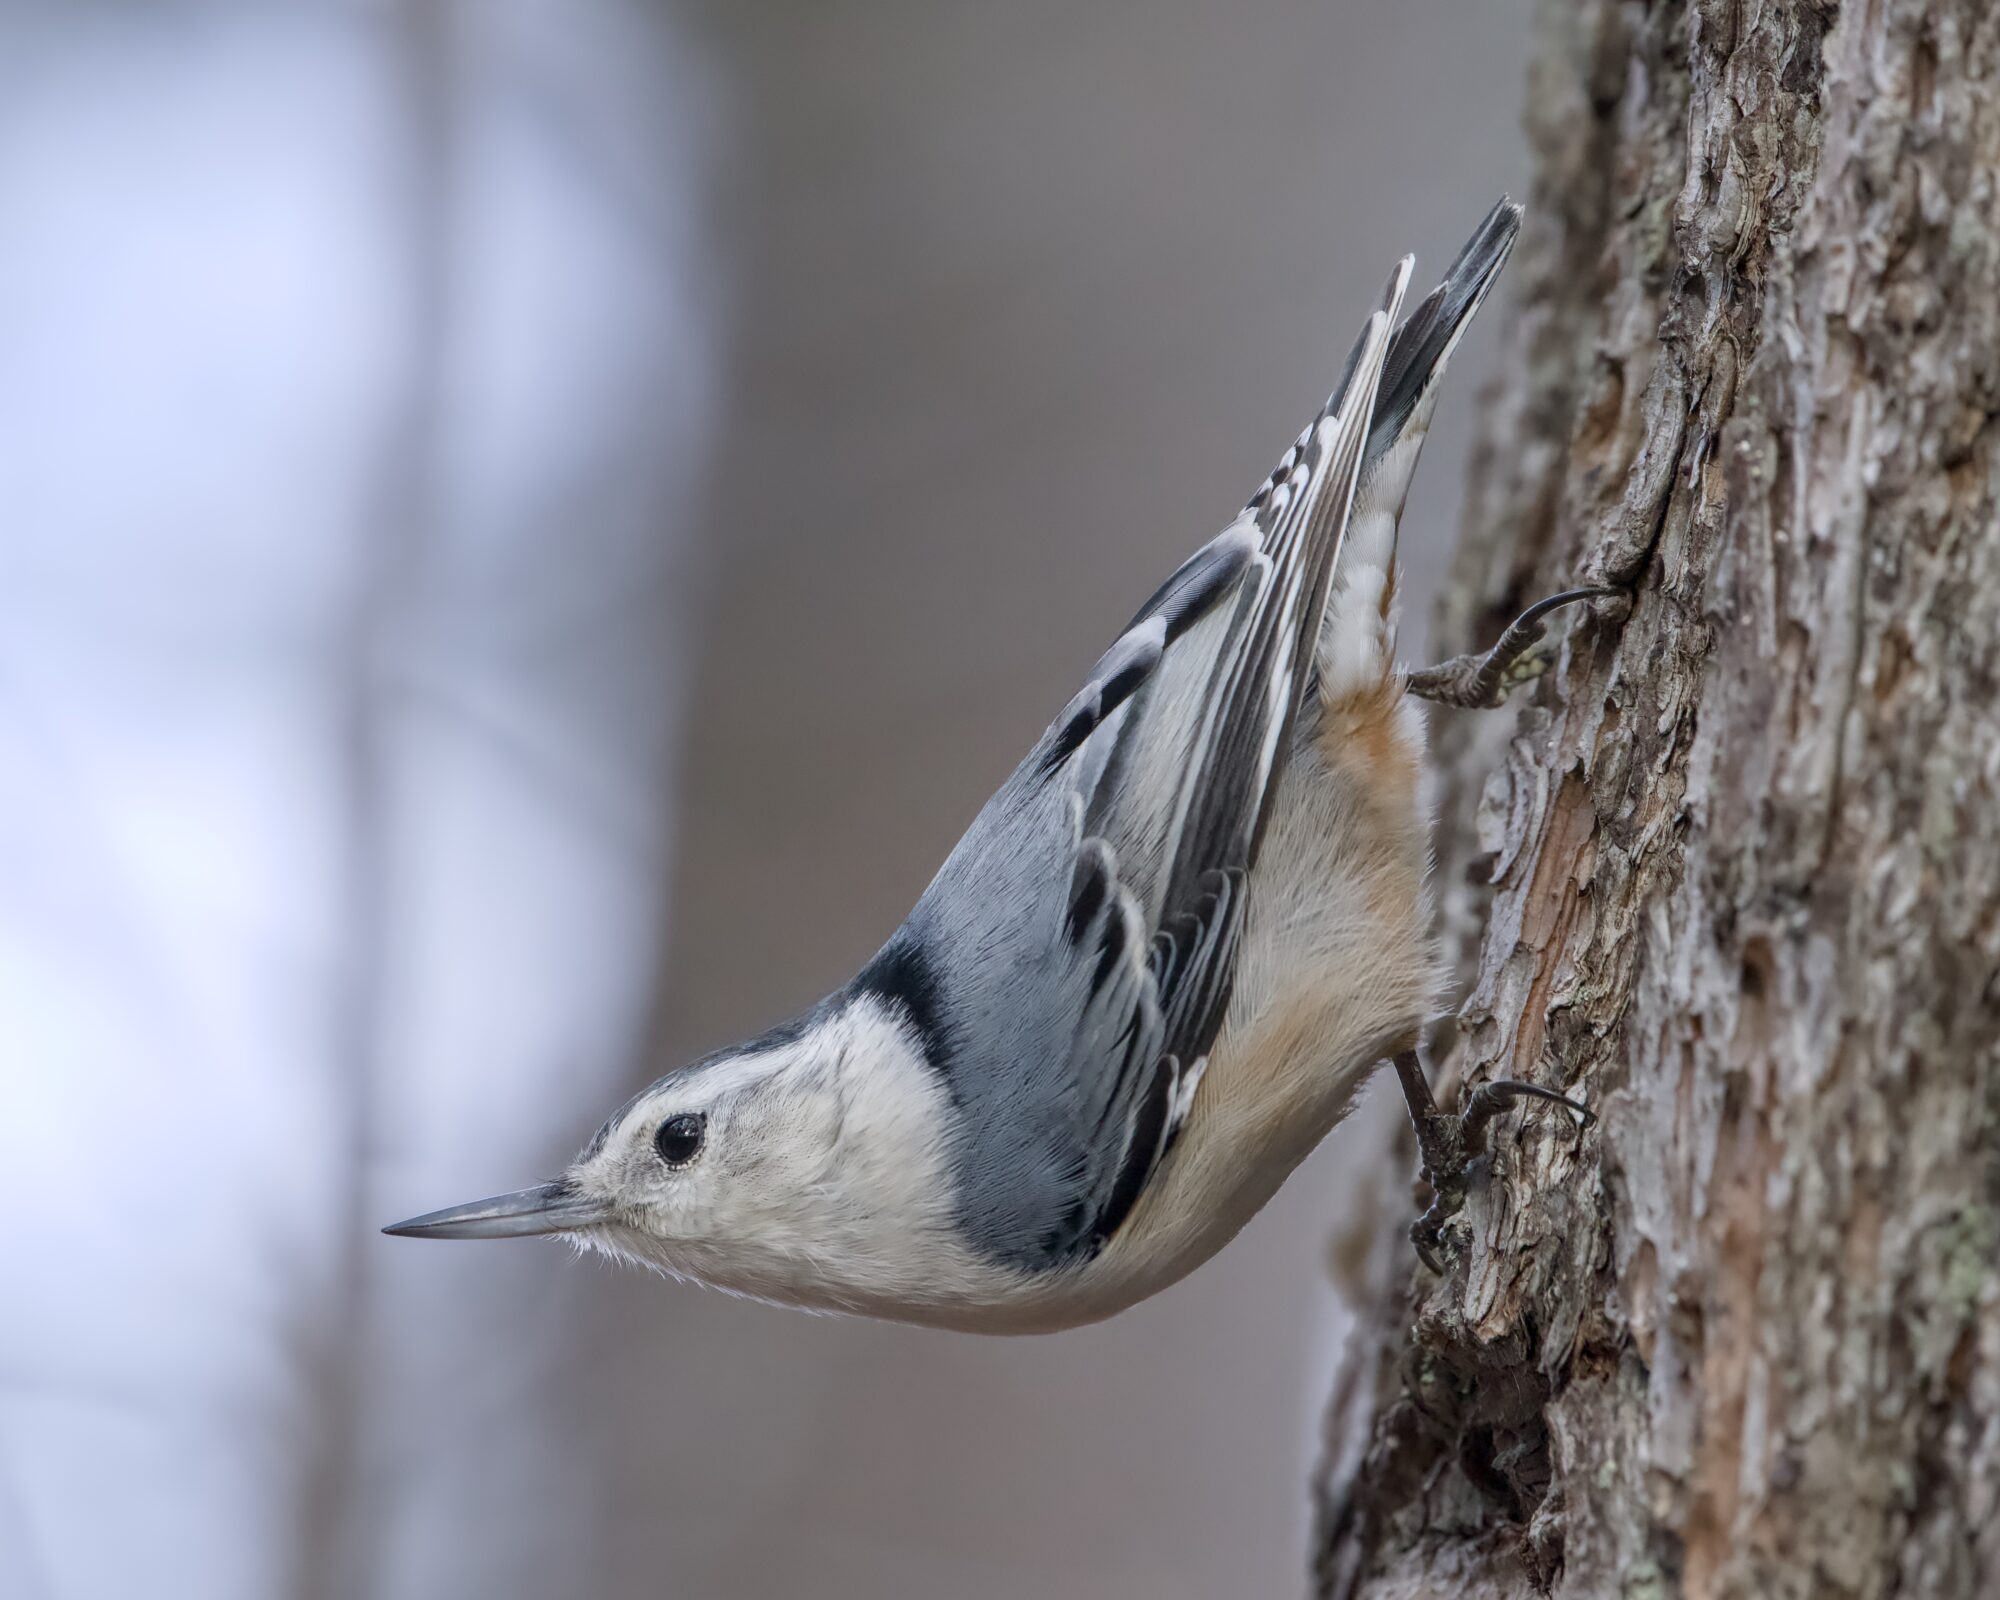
(527,531)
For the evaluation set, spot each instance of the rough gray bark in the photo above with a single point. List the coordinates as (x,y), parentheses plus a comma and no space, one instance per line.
(1733,873)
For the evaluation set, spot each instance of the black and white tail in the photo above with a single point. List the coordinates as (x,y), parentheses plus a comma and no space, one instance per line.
(1357,642)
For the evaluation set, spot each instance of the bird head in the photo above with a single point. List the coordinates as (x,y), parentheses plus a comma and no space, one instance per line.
(806,1166)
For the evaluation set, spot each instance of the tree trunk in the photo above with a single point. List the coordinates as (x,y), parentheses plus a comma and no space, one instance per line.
(1731,873)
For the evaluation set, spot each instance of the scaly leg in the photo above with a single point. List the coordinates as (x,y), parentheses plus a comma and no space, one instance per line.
(1480,682)
(1447,1143)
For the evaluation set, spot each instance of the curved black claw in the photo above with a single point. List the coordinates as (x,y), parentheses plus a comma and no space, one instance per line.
(1427,1235)
(1448,1144)
(1490,1099)
(1481,682)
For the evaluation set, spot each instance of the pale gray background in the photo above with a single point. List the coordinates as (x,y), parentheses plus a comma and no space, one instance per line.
(487,484)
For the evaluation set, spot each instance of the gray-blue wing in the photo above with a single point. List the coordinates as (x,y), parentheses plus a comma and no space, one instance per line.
(1070,966)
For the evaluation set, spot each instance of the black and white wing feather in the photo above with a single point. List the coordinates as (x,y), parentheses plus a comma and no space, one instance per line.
(1068,970)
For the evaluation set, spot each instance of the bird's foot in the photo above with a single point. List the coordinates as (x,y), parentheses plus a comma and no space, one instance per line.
(1481,682)
(1448,1143)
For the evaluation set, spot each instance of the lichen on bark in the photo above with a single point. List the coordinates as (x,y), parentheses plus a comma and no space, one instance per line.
(1733,874)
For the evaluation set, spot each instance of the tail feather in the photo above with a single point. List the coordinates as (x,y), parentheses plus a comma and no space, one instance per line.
(1424,343)
(1357,642)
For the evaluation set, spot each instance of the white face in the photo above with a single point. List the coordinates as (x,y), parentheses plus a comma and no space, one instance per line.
(810,1170)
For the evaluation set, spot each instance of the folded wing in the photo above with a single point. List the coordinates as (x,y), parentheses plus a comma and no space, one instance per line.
(1071,965)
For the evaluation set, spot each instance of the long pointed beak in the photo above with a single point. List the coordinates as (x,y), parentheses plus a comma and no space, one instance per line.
(546,1208)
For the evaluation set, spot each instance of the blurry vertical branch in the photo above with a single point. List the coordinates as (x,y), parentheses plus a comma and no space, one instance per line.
(386,562)
(1736,878)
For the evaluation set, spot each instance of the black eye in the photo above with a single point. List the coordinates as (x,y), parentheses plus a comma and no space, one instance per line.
(679,1138)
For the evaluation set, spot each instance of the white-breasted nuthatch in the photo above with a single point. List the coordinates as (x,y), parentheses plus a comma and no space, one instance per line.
(1151,976)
